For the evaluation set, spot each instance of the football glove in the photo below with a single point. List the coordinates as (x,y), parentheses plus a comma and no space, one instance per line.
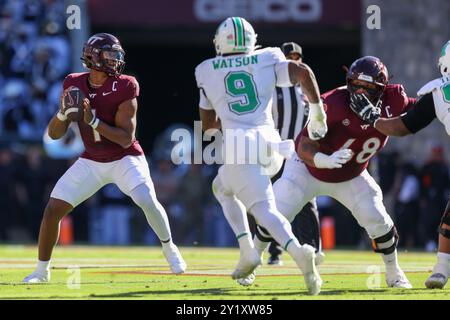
(317,124)
(335,161)
(364,109)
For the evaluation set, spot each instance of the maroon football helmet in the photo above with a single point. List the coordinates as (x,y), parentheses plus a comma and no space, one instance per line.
(103,52)
(369,69)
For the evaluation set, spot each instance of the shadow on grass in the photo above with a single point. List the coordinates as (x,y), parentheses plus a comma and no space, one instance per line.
(233,292)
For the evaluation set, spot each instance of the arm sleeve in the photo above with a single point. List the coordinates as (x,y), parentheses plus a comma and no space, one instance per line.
(420,115)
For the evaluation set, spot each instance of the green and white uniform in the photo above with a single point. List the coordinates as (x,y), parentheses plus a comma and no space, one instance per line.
(440,89)
(240,89)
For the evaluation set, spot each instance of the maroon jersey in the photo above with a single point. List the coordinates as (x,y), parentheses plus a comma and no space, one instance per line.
(104,102)
(346,130)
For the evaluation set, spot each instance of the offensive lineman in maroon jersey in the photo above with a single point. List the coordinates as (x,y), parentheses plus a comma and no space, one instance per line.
(112,153)
(336,165)
(433,103)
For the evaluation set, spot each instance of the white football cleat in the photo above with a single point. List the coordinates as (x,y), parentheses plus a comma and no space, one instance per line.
(436,281)
(305,259)
(37,277)
(397,279)
(247,281)
(175,260)
(248,262)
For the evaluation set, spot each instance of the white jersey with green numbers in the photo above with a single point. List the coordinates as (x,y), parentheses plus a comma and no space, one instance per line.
(440,88)
(239,87)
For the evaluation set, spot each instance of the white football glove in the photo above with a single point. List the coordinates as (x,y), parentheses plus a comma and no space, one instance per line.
(317,124)
(335,161)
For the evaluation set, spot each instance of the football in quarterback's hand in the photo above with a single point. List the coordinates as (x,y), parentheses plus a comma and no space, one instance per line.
(72,104)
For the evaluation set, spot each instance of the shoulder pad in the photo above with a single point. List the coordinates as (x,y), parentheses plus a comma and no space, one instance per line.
(273,52)
(433,84)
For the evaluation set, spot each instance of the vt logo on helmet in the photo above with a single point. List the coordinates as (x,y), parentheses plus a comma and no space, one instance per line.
(103,52)
(234,35)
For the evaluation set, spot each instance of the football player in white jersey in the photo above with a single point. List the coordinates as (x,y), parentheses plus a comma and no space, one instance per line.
(236,96)
(433,102)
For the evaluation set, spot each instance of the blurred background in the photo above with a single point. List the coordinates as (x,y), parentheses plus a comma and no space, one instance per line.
(41,42)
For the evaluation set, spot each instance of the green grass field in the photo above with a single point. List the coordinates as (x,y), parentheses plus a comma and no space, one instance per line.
(142,273)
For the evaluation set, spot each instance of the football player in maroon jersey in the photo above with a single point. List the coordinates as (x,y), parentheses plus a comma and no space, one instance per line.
(112,153)
(336,165)
(433,103)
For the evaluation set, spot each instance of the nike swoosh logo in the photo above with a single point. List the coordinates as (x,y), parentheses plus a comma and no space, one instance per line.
(106,93)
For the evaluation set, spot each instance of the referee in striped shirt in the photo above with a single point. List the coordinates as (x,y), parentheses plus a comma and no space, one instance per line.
(290,112)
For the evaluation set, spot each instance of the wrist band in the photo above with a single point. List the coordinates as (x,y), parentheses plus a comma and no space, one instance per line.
(94,123)
(61,116)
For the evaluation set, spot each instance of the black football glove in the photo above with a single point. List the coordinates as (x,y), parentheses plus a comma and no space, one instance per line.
(364,109)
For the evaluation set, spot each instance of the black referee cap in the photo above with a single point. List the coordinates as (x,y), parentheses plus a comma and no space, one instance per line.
(291,47)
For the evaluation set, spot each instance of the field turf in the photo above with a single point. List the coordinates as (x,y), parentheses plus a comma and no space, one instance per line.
(80,272)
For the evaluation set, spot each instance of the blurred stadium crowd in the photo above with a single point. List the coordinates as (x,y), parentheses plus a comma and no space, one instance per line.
(34,59)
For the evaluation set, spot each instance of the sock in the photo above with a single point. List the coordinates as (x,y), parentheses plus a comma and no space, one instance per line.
(391,261)
(144,196)
(233,209)
(442,265)
(167,244)
(43,266)
(236,215)
(260,246)
(245,242)
(267,216)
(292,247)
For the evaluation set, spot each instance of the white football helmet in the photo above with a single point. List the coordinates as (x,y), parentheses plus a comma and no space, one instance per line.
(235,35)
(444,60)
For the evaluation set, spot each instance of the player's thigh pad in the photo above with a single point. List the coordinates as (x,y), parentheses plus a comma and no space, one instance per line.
(293,189)
(364,198)
(130,172)
(247,183)
(78,183)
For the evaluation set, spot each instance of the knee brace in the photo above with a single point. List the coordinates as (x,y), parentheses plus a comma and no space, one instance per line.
(445,220)
(386,244)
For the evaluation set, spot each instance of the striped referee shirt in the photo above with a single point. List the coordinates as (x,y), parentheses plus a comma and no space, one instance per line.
(290,110)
